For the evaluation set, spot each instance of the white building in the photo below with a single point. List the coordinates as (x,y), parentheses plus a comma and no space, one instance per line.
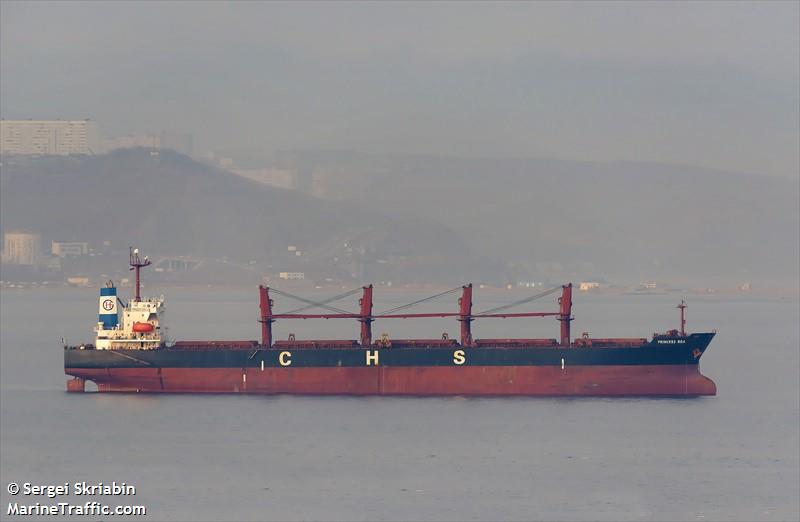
(48,137)
(21,248)
(69,248)
(292,276)
(147,141)
(178,142)
(281,178)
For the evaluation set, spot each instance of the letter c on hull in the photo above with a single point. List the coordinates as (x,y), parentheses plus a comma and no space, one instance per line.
(285,358)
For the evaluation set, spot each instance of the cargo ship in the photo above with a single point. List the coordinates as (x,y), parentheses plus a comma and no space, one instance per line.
(131,354)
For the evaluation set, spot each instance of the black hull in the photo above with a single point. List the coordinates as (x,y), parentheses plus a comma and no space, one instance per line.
(688,351)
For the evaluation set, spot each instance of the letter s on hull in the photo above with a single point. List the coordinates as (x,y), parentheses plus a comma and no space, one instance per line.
(285,358)
(458,357)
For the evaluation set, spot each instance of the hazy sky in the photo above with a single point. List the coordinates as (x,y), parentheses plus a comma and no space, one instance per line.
(713,84)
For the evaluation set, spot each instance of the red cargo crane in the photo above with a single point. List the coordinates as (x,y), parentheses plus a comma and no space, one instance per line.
(465,315)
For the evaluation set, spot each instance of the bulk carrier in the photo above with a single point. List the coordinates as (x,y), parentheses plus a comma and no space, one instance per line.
(131,354)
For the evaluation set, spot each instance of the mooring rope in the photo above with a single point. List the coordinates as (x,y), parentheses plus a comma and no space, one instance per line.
(420,301)
(517,303)
(325,301)
(310,302)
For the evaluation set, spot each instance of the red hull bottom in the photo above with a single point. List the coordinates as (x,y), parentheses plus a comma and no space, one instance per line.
(640,380)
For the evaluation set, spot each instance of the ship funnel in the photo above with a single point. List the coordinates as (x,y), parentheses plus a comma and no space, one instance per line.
(108,307)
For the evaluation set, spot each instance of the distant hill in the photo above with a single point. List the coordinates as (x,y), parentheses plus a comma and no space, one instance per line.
(171,205)
(618,221)
(427,219)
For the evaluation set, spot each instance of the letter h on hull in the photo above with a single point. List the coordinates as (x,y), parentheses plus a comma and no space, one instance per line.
(372,357)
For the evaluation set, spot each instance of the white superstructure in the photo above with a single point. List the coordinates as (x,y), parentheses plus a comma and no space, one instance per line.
(138,327)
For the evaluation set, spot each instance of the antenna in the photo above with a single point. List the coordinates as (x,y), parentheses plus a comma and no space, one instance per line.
(137,264)
(683,307)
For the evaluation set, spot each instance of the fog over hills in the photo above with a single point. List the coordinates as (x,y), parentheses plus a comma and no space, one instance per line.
(429,219)
(405,117)
(609,220)
(171,205)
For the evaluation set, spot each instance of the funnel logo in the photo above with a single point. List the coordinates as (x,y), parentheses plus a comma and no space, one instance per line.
(108,304)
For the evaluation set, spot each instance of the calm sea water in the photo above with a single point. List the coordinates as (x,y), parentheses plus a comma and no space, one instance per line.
(730,457)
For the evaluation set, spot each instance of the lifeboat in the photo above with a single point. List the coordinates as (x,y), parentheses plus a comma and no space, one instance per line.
(142,327)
